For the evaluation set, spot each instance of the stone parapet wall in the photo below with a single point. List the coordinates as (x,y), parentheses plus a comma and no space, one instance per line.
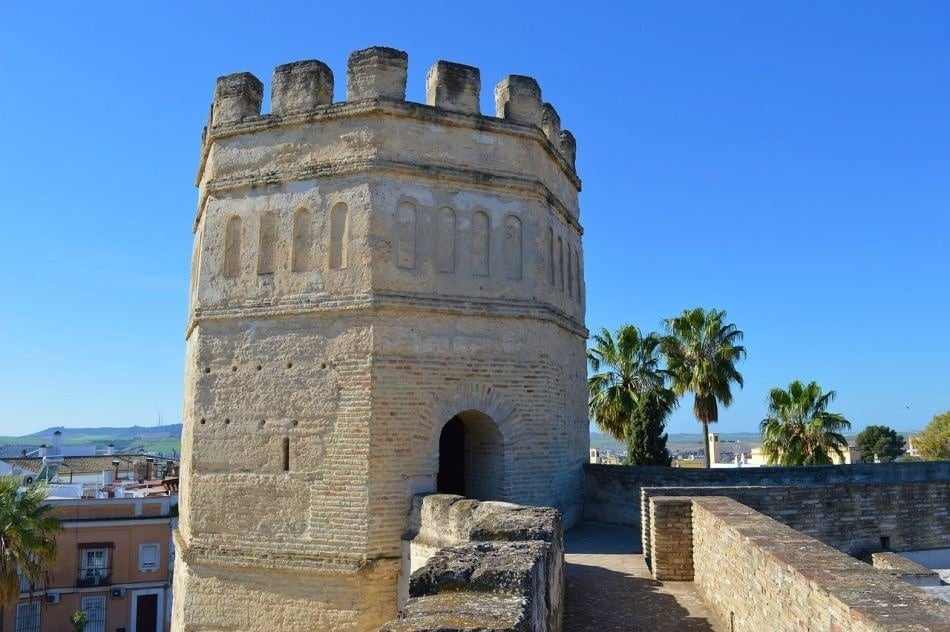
(613,491)
(852,517)
(758,574)
(482,565)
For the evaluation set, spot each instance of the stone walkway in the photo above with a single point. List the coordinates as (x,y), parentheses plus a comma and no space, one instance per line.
(610,589)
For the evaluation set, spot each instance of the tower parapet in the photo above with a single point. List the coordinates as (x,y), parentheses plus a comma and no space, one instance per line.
(301,86)
(454,87)
(236,97)
(387,299)
(518,99)
(377,72)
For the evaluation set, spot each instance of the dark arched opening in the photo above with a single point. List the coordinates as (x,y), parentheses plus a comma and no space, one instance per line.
(451,477)
(471,457)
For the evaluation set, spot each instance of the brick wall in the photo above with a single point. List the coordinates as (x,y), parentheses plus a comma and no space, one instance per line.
(758,574)
(612,492)
(671,537)
(853,517)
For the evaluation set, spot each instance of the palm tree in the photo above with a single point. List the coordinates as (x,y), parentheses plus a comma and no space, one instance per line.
(628,395)
(27,537)
(701,354)
(799,429)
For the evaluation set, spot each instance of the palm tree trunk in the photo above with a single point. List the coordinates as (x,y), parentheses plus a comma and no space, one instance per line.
(706,442)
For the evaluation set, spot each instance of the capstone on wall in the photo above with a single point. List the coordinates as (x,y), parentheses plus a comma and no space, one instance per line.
(364,272)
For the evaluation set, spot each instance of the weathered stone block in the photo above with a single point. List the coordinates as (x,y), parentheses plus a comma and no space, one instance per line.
(551,124)
(377,72)
(453,87)
(518,99)
(462,612)
(507,567)
(236,97)
(301,86)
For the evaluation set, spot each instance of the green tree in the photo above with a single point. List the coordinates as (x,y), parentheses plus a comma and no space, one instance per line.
(880,441)
(80,620)
(27,537)
(701,352)
(934,441)
(799,429)
(628,395)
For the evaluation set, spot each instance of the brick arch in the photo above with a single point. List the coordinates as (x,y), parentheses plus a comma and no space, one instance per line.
(483,399)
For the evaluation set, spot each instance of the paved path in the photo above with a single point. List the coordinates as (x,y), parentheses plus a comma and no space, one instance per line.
(610,589)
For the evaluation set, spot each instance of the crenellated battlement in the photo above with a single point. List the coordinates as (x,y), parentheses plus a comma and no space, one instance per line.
(379,75)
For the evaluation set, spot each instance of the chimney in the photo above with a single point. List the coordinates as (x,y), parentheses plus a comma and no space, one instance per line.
(110,449)
(57,443)
(42,450)
(115,467)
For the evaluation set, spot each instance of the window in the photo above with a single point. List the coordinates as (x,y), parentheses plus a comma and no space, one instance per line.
(94,565)
(28,617)
(27,586)
(148,557)
(95,608)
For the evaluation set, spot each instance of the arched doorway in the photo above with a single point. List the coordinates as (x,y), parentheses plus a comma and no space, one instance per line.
(471,457)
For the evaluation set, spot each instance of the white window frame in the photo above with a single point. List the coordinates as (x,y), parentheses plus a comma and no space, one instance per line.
(158,557)
(27,617)
(99,569)
(95,623)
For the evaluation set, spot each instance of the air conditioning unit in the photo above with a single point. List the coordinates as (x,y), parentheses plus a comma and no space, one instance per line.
(52,597)
(118,593)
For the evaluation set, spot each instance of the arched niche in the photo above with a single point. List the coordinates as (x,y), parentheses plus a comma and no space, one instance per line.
(303,241)
(406,236)
(512,250)
(339,235)
(267,249)
(232,248)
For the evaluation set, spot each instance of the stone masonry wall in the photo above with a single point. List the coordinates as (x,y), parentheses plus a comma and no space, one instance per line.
(854,518)
(758,574)
(363,272)
(612,492)
(482,566)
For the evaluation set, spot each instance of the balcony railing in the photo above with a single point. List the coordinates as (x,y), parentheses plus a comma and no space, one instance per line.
(94,577)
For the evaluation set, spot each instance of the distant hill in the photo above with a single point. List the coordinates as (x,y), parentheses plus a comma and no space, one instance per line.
(73,434)
(165,439)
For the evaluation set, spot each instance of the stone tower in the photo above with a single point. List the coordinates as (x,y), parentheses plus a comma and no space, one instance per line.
(387,298)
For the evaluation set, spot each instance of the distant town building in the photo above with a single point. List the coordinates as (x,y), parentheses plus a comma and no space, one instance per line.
(115,550)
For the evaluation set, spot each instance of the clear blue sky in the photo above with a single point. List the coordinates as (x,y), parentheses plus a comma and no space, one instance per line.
(787,162)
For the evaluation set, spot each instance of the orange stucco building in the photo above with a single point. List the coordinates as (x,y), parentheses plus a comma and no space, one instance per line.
(114,562)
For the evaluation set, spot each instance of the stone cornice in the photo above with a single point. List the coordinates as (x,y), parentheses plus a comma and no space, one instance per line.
(393,301)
